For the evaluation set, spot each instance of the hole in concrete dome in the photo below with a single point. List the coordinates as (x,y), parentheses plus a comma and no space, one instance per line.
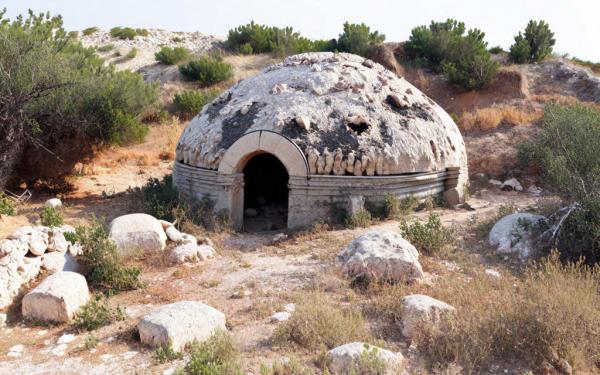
(265,194)
(359,128)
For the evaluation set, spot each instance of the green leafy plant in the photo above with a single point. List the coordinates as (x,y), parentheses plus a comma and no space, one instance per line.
(534,44)
(190,102)
(7,205)
(395,207)
(216,356)
(106,48)
(51,217)
(132,53)
(358,38)
(360,219)
(291,367)
(449,48)
(100,254)
(89,30)
(170,56)
(245,49)
(166,353)
(123,32)
(496,50)
(91,341)
(207,70)
(96,313)
(430,237)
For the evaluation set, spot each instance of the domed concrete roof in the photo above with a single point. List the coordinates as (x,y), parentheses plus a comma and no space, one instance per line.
(347,114)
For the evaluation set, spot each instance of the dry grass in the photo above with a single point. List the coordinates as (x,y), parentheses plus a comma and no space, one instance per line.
(487,119)
(318,322)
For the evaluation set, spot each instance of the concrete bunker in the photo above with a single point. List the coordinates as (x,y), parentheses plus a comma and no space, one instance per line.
(314,134)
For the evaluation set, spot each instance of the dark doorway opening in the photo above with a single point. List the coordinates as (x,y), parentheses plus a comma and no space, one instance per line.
(265,194)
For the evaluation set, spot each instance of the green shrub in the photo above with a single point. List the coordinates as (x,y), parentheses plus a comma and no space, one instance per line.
(170,56)
(534,45)
(496,50)
(207,70)
(449,48)
(566,153)
(245,49)
(90,30)
(358,38)
(291,367)
(216,356)
(395,207)
(177,39)
(96,313)
(123,32)
(317,321)
(7,205)
(190,102)
(73,34)
(132,53)
(360,219)
(51,217)
(60,94)
(106,48)
(164,354)
(429,237)
(142,32)
(368,363)
(100,254)
(91,341)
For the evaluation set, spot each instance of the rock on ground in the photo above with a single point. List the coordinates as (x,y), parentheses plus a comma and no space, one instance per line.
(57,298)
(423,310)
(343,359)
(56,262)
(53,202)
(137,232)
(180,323)
(381,255)
(173,234)
(191,253)
(512,233)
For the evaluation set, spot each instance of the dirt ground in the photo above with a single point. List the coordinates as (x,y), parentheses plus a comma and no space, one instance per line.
(251,278)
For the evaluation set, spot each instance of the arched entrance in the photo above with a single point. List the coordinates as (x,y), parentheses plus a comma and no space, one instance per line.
(265,193)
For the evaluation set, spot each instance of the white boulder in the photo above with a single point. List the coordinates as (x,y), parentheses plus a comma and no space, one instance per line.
(137,232)
(280,316)
(344,359)
(191,253)
(420,309)
(512,233)
(57,241)
(188,238)
(36,238)
(56,262)
(180,323)
(512,184)
(173,234)
(381,255)
(57,298)
(53,203)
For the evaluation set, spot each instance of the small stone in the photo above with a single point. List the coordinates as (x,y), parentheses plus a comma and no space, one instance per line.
(290,307)
(493,273)
(53,203)
(65,339)
(420,309)
(106,357)
(512,184)
(191,253)
(129,355)
(16,350)
(495,182)
(173,234)
(281,316)
(343,359)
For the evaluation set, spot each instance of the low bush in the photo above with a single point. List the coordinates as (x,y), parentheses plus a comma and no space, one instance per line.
(100,254)
(290,367)
(142,32)
(171,56)
(7,205)
(91,341)
(358,39)
(395,207)
(216,356)
(123,32)
(594,66)
(106,48)
(566,153)
(73,34)
(487,119)
(368,363)
(245,49)
(190,102)
(318,322)
(51,217)
(96,313)
(430,237)
(496,50)
(132,53)
(551,313)
(207,70)
(166,353)
(360,219)
(90,30)
(534,44)
(449,48)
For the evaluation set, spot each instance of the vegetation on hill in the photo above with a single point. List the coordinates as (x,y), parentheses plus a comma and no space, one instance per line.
(190,102)
(534,44)
(55,90)
(170,56)
(127,32)
(207,70)
(449,48)
(566,152)
(255,38)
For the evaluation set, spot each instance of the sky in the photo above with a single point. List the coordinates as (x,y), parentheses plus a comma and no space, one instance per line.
(574,22)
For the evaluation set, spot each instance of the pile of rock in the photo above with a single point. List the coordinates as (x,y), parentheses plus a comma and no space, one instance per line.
(142,233)
(514,234)
(28,250)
